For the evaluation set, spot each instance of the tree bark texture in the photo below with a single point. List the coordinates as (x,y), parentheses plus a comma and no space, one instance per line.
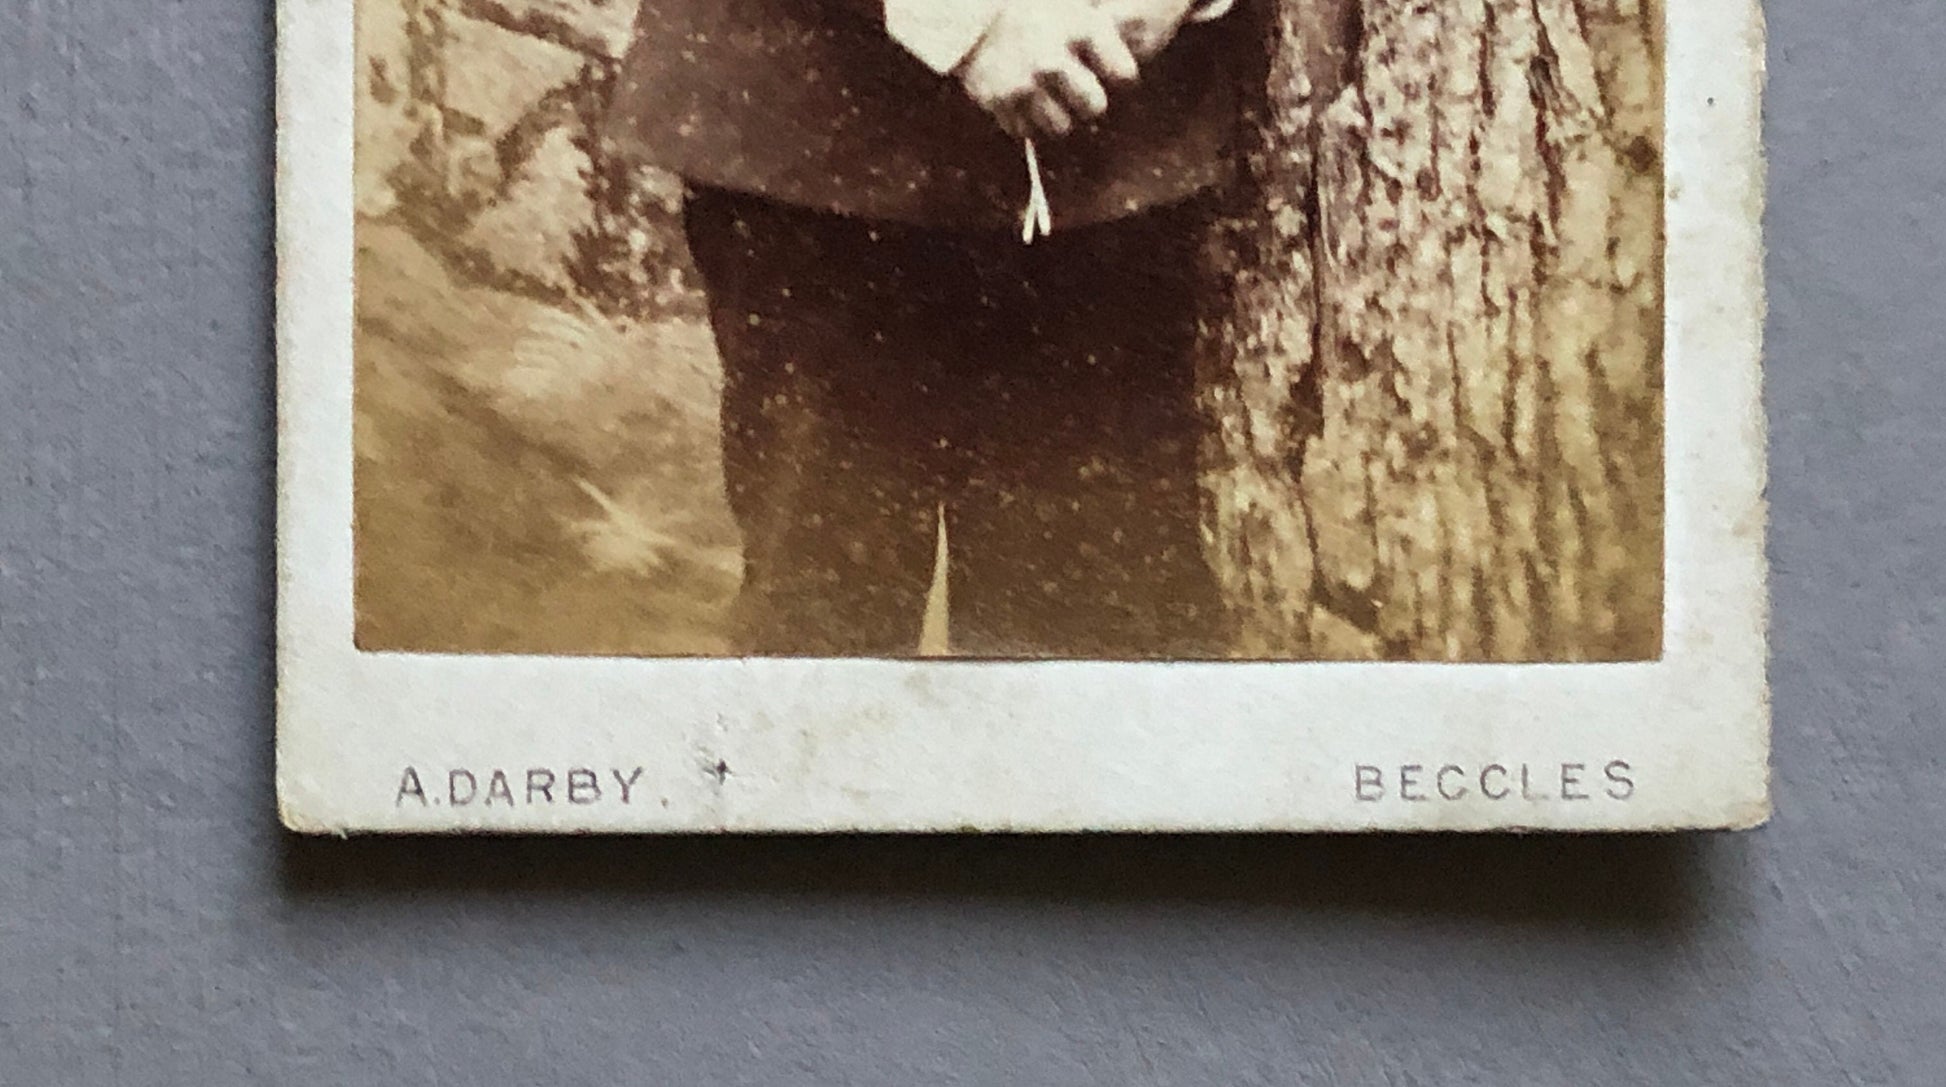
(1434,355)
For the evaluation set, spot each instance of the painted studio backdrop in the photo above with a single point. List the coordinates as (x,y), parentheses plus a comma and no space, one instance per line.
(1430,360)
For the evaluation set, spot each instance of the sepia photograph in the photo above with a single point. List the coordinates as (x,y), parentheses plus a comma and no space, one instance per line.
(1115,329)
(1021,415)
(1031,543)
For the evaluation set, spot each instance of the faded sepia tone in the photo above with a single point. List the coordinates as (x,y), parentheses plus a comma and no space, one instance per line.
(1439,376)
(1433,356)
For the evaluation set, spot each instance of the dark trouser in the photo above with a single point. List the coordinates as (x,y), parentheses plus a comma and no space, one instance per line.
(1043,395)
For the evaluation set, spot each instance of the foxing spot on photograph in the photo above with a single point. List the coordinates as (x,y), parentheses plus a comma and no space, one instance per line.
(1107,329)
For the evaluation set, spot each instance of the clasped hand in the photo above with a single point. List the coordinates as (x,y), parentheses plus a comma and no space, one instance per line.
(1046,66)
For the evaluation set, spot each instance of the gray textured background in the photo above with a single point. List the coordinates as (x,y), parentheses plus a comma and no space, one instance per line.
(156,928)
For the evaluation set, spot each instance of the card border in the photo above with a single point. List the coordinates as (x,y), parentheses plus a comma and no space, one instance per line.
(909,746)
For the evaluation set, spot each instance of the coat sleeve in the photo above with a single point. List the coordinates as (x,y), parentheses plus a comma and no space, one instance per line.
(942,32)
(939,32)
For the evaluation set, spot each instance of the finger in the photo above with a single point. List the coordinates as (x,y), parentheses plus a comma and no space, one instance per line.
(1109,55)
(1016,116)
(1011,119)
(1077,89)
(1047,115)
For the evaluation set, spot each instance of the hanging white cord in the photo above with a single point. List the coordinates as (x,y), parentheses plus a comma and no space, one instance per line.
(1037,220)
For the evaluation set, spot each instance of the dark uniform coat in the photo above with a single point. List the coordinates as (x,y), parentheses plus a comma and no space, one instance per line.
(811,103)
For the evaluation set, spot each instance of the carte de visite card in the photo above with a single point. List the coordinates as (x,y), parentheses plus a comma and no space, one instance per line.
(1020,415)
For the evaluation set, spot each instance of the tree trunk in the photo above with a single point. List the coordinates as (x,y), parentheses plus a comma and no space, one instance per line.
(1434,359)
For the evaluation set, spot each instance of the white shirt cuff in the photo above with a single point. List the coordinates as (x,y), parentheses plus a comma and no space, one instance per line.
(1210,9)
(941,32)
